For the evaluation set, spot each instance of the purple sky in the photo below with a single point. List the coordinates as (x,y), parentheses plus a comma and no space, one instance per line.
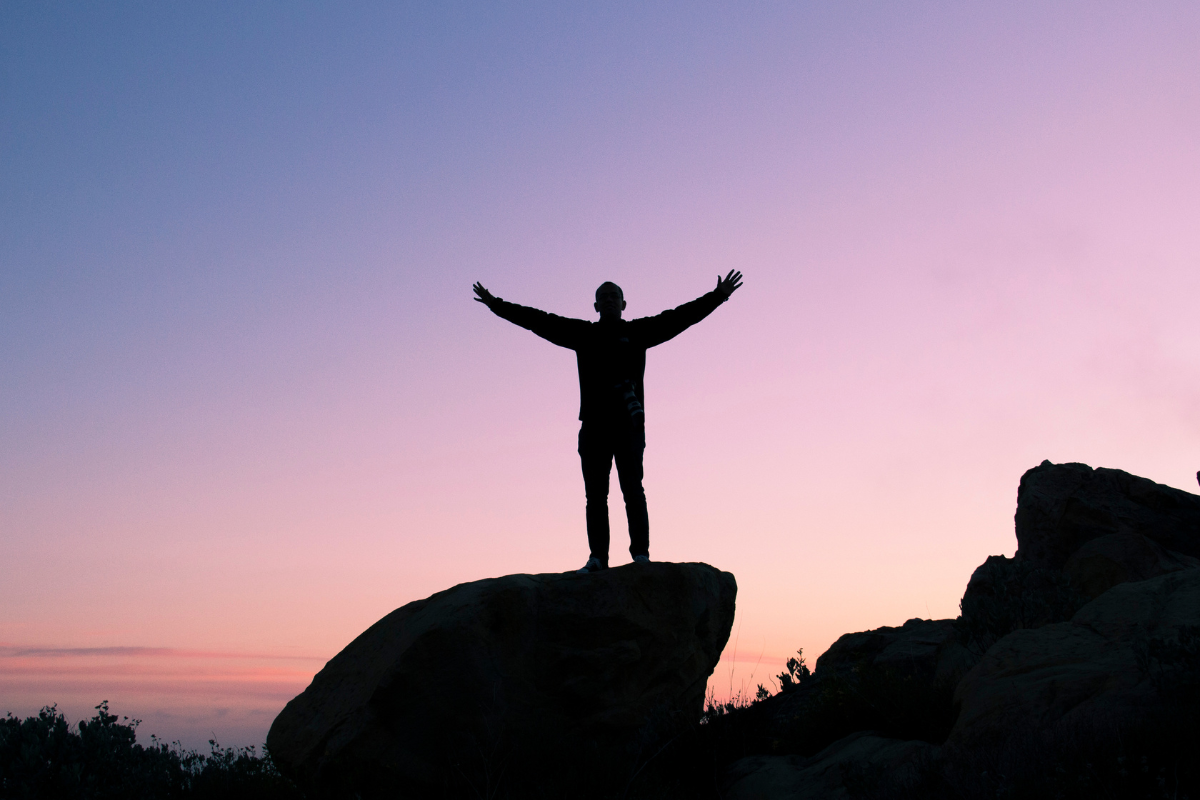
(247,406)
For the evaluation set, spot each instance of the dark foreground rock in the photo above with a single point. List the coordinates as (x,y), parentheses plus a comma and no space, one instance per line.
(837,772)
(512,683)
(1095,669)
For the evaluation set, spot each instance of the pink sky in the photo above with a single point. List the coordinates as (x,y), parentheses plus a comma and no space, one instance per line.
(248,406)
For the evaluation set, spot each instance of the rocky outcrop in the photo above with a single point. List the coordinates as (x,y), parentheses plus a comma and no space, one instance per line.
(1080,531)
(927,649)
(1090,670)
(1060,507)
(1102,563)
(857,760)
(1092,626)
(501,679)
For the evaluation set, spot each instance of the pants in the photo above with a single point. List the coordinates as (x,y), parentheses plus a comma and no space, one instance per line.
(599,445)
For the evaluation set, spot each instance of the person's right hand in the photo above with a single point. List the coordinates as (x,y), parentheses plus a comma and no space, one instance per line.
(484,296)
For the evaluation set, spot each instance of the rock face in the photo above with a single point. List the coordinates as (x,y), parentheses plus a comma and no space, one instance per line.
(1121,557)
(480,683)
(1091,669)
(921,648)
(1060,507)
(1007,594)
(829,775)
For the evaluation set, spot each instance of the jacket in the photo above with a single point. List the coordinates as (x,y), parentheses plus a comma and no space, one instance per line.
(610,351)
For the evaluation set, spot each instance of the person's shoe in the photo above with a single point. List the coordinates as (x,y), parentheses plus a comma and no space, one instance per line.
(593,565)
(641,559)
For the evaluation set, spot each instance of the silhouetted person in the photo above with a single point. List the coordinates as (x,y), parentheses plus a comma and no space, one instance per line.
(611,355)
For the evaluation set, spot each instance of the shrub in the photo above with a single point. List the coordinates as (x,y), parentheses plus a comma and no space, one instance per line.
(796,674)
(42,757)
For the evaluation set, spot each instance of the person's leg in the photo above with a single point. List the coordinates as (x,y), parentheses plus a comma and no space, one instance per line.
(629,472)
(596,457)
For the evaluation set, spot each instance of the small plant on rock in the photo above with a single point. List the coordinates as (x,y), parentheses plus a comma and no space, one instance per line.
(797,673)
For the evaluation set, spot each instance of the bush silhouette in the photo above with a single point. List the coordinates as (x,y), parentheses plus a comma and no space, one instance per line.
(43,757)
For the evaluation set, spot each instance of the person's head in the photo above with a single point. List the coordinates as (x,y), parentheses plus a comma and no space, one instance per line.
(610,300)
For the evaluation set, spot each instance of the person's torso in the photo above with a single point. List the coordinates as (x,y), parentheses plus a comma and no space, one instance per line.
(611,363)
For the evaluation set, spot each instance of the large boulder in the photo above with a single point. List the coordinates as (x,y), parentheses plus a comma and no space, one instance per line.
(1060,507)
(512,679)
(1092,670)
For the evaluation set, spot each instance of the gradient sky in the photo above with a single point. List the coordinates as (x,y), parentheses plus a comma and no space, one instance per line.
(247,406)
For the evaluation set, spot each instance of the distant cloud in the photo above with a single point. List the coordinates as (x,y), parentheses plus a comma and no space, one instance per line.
(754,658)
(17,651)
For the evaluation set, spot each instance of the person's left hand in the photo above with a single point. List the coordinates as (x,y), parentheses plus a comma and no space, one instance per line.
(729,284)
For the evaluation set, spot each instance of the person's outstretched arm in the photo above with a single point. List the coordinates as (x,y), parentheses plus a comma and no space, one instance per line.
(562,331)
(669,324)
